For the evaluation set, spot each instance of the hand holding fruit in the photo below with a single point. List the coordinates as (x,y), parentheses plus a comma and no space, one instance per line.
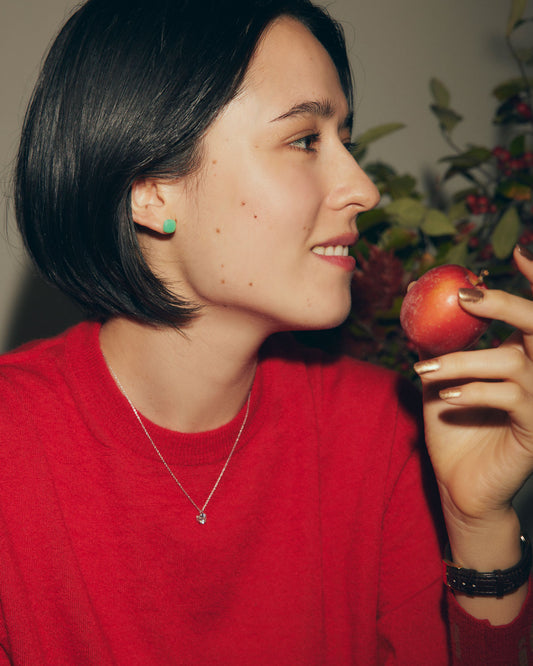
(478,404)
(478,413)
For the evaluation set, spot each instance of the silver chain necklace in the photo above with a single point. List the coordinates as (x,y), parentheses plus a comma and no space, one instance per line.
(201,516)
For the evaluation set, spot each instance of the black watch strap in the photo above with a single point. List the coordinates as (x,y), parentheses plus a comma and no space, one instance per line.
(496,583)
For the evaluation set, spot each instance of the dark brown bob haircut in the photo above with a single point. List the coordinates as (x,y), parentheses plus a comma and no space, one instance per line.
(128,90)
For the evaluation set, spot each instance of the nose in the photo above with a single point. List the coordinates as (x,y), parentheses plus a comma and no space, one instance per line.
(350,186)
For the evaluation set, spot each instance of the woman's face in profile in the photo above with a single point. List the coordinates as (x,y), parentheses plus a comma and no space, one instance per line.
(264,227)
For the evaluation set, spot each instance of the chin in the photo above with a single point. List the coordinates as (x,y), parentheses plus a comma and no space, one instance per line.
(325,321)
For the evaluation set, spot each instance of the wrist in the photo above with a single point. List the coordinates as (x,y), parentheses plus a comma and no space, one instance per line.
(497,583)
(485,544)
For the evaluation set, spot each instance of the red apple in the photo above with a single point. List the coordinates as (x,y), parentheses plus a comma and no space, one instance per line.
(432,317)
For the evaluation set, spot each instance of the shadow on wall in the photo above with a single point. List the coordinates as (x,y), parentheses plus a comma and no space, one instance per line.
(40,311)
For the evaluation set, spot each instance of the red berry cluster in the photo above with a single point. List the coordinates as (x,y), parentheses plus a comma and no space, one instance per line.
(526,238)
(484,252)
(480,204)
(509,164)
(524,111)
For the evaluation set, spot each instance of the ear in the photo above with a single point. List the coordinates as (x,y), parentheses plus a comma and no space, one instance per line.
(151,204)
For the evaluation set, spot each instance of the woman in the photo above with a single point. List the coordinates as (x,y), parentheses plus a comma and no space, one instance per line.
(182,483)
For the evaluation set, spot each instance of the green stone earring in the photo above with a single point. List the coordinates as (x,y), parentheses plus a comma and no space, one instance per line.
(169,226)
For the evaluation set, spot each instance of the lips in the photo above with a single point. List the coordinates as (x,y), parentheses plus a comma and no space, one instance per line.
(336,251)
(336,247)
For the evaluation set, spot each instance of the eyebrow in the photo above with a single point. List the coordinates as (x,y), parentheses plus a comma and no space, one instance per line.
(320,108)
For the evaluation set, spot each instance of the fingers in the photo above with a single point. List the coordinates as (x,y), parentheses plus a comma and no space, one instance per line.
(505,396)
(499,378)
(505,362)
(524,260)
(496,304)
(495,379)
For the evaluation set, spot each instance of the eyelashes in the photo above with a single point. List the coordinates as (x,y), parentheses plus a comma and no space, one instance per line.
(307,143)
(310,143)
(351,146)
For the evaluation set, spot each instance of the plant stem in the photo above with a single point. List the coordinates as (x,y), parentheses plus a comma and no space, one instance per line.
(521,68)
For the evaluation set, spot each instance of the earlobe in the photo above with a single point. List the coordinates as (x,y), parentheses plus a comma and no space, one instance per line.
(149,206)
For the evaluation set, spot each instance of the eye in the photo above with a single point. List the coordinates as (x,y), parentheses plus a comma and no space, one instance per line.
(351,146)
(306,143)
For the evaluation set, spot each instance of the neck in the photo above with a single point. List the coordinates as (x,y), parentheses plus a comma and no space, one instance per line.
(192,381)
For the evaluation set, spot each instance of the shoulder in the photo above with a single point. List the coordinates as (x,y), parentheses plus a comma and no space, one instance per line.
(343,386)
(31,372)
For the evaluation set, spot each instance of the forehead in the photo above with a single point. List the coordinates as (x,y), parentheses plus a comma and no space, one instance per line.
(291,63)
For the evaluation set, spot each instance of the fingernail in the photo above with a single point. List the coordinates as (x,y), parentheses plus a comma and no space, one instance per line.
(448,394)
(426,366)
(527,254)
(470,295)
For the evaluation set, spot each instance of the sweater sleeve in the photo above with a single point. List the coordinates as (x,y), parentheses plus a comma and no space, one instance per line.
(429,617)
(478,642)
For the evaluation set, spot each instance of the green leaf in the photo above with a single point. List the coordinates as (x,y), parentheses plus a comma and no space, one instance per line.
(379,171)
(516,191)
(458,254)
(370,219)
(458,211)
(401,186)
(406,212)
(452,171)
(518,7)
(447,118)
(517,145)
(398,238)
(437,223)
(505,235)
(373,134)
(473,157)
(511,88)
(440,93)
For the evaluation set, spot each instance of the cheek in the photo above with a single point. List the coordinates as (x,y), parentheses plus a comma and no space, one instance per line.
(277,204)
(257,213)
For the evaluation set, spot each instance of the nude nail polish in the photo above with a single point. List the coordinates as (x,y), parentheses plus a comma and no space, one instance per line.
(470,295)
(426,366)
(449,394)
(524,252)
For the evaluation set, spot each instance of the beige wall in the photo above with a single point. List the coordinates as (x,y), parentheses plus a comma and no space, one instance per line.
(396,46)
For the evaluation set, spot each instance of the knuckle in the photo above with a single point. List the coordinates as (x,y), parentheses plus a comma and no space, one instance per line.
(516,360)
(515,394)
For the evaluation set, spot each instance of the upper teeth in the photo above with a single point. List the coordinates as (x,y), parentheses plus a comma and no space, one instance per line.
(331,250)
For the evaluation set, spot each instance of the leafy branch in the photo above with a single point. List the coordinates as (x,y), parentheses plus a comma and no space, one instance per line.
(477,226)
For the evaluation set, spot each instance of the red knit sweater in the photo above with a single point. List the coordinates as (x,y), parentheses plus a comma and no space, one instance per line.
(319,546)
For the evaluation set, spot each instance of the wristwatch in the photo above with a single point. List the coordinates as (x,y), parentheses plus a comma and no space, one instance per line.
(495,583)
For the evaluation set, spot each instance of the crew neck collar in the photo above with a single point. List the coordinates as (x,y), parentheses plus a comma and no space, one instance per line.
(109,416)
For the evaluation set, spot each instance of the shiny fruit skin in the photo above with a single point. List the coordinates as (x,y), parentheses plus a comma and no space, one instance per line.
(432,317)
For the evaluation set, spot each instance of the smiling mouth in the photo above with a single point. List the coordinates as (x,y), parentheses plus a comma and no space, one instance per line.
(331,250)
